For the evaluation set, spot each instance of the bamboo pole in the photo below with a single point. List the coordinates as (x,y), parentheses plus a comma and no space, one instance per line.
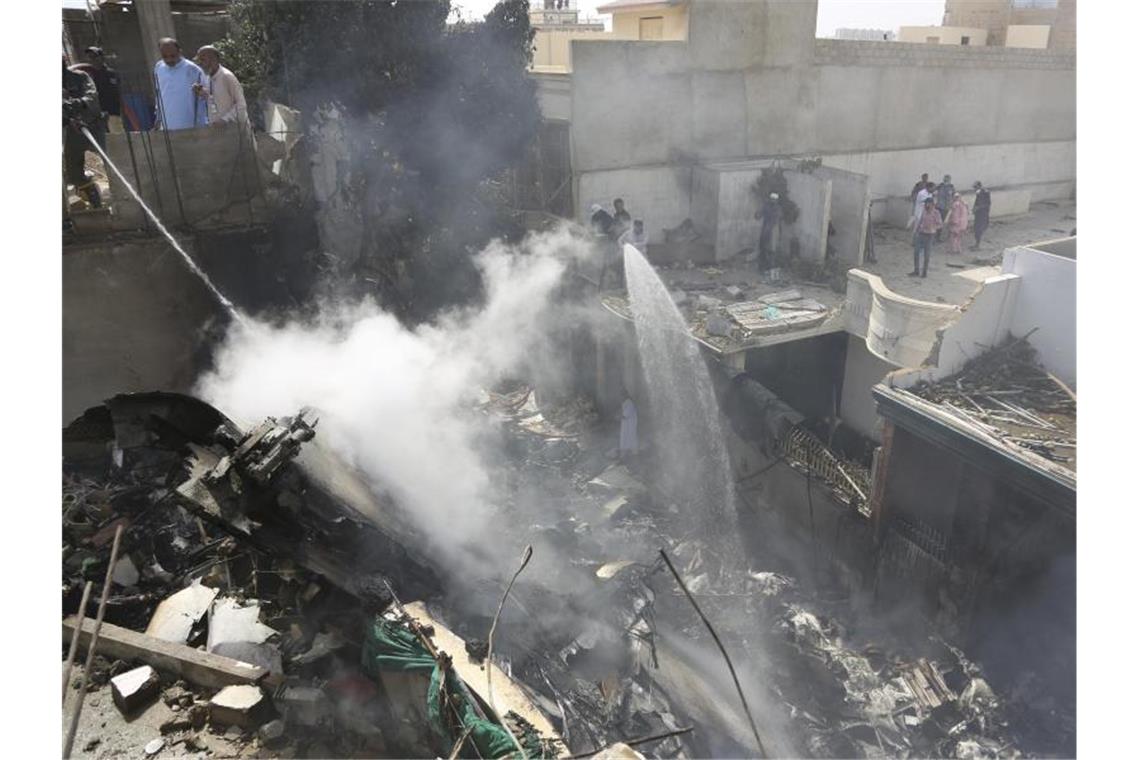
(94,642)
(75,638)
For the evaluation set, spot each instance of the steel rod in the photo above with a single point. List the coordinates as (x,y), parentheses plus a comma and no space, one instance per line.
(723,651)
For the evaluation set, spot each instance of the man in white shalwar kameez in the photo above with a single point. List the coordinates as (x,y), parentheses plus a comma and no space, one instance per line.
(627,439)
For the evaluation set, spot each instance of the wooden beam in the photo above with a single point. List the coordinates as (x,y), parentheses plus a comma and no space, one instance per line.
(198,667)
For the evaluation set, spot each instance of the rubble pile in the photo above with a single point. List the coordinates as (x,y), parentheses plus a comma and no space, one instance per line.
(263,614)
(244,595)
(733,306)
(1007,394)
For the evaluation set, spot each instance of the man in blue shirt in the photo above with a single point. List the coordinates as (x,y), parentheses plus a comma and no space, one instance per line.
(178,106)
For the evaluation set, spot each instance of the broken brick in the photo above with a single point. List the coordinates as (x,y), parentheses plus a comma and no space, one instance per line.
(135,689)
(244,706)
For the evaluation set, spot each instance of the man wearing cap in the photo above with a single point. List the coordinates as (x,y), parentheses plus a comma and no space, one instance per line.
(928,224)
(981,213)
(106,81)
(80,111)
(769,216)
(178,105)
(221,90)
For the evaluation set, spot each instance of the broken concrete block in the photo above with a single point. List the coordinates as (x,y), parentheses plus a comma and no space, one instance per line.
(708,303)
(236,632)
(718,325)
(198,713)
(734,292)
(134,689)
(125,573)
(176,724)
(244,706)
(272,732)
(304,705)
(680,297)
(176,615)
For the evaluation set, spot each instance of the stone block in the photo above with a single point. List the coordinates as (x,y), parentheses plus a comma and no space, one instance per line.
(135,689)
(244,706)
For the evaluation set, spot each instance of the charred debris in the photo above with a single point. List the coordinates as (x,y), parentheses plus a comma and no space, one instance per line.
(270,606)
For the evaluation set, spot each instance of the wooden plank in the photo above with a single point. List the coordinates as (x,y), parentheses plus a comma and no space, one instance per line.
(507,694)
(198,667)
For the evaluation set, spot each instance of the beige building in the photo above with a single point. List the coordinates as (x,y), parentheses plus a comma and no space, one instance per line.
(1002,19)
(944,35)
(642,20)
(556,23)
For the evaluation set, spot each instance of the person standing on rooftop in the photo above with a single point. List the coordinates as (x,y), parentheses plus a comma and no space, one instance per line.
(943,197)
(981,213)
(178,105)
(920,185)
(928,224)
(221,91)
(957,219)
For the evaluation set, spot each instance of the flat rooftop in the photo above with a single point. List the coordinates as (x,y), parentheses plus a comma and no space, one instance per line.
(737,295)
(952,278)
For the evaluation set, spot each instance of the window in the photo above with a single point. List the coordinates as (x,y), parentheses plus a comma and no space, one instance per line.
(651,28)
(1033,3)
(932,40)
(965,40)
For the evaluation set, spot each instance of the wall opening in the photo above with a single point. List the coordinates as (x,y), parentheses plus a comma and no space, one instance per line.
(651,28)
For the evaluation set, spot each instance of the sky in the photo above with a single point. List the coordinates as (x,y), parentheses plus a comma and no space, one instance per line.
(833,14)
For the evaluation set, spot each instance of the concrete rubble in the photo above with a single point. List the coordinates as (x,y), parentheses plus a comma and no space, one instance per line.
(134,689)
(284,623)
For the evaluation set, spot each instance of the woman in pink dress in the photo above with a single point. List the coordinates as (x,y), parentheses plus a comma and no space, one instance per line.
(957,219)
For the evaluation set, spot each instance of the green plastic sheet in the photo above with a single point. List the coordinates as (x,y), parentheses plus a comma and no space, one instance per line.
(390,646)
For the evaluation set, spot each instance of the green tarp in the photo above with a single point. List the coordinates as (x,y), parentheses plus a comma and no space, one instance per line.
(389,646)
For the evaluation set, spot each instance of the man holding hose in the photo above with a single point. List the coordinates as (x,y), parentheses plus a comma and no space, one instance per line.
(80,109)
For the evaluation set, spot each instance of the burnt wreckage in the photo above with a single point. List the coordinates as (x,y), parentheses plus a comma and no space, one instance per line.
(267,521)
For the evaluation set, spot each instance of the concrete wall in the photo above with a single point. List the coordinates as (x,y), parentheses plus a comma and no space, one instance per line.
(675,22)
(1048,305)
(1028,36)
(862,371)
(553,92)
(213,171)
(944,35)
(752,81)
(659,196)
(812,195)
(850,198)
(134,319)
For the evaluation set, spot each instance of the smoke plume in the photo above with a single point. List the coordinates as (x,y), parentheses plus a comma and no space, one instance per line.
(396,401)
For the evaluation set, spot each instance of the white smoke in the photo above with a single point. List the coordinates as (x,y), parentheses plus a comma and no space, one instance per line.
(396,401)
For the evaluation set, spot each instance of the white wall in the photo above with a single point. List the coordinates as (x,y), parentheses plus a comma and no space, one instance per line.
(862,371)
(813,197)
(1047,302)
(658,196)
(850,196)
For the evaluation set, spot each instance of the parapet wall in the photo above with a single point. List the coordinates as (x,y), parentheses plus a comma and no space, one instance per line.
(871,53)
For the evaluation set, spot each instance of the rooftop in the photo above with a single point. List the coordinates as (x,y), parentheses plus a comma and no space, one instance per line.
(953,279)
(731,307)
(1006,396)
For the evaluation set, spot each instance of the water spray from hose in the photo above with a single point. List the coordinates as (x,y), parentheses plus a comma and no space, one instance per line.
(226,303)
